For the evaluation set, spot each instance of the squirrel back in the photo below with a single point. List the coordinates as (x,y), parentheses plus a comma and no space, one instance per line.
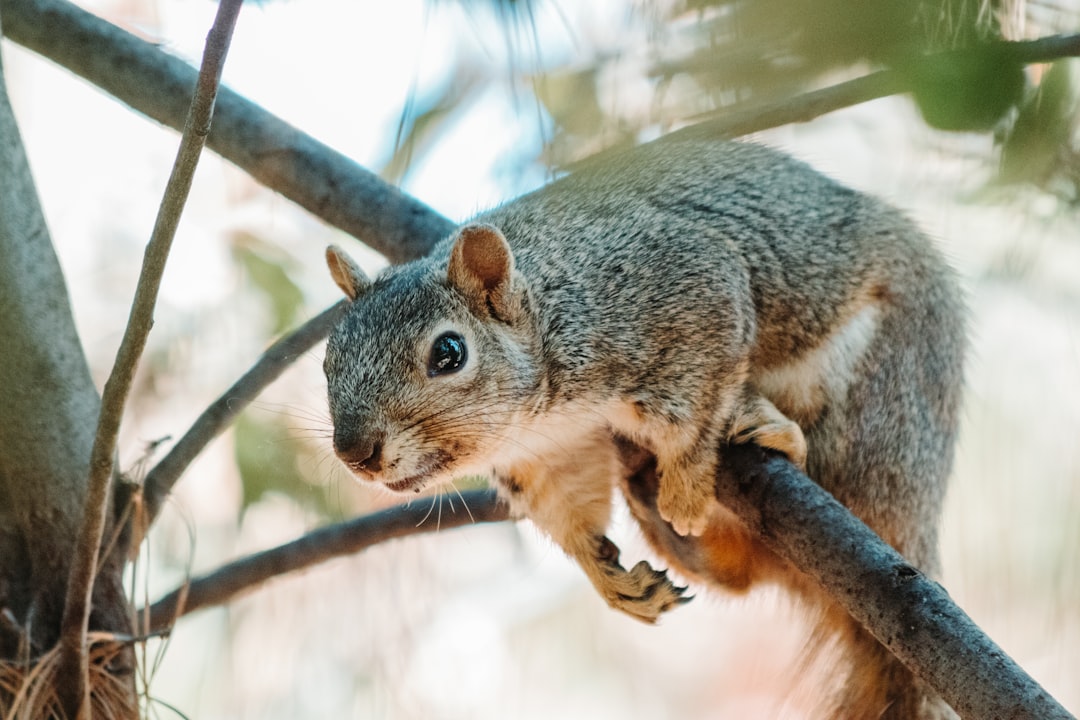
(659,227)
(685,295)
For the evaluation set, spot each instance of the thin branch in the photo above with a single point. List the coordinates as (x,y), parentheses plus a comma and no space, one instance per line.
(316,177)
(347,538)
(311,174)
(729,123)
(213,421)
(907,612)
(739,121)
(811,105)
(73,647)
(1042,50)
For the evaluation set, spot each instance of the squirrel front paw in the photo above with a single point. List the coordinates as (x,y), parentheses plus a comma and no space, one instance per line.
(684,501)
(643,593)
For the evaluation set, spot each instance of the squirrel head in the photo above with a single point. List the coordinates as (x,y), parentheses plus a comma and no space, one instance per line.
(432,362)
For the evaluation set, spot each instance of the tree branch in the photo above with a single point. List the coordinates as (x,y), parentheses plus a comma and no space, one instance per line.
(319,179)
(907,612)
(776,503)
(1042,50)
(811,105)
(738,121)
(733,123)
(279,356)
(347,538)
(73,664)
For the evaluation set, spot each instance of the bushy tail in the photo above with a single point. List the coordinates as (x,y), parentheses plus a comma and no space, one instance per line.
(866,681)
(860,678)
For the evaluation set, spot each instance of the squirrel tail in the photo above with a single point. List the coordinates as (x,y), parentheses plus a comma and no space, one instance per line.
(862,679)
(871,683)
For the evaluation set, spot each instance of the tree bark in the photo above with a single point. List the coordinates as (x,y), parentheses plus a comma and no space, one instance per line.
(326,543)
(48,408)
(222,412)
(910,614)
(907,612)
(48,404)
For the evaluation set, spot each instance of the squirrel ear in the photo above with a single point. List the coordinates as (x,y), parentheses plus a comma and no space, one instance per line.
(482,268)
(346,273)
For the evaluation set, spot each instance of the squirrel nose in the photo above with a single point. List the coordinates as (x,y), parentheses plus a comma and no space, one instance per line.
(358,451)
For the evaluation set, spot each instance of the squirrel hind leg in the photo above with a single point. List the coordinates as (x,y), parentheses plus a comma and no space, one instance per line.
(726,555)
(686,496)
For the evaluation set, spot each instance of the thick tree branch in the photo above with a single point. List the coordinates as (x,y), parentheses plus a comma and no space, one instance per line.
(316,177)
(785,507)
(907,612)
(213,421)
(910,614)
(347,538)
(48,406)
(73,664)
(309,173)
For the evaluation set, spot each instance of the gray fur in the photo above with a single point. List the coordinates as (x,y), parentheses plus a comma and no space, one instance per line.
(711,291)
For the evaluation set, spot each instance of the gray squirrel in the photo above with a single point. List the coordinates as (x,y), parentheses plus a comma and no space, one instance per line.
(684,295)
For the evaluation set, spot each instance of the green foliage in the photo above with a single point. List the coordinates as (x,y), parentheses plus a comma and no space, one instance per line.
(705,57)
(708,55)
(266,455)
(268,271)
(968,90)
(1040,147)
(570,98)
(423,120)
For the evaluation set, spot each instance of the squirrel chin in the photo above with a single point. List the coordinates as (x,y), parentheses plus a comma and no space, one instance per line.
(415,484)
(430,471)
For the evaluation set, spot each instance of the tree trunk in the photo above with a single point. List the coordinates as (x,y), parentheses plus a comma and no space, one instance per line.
(48,409)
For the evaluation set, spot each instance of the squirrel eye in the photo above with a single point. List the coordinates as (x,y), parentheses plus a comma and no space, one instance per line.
(447,354)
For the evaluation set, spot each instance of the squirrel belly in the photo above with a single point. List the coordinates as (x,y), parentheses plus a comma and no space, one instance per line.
(683,297)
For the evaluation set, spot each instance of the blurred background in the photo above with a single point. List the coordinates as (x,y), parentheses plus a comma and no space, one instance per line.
(470,103)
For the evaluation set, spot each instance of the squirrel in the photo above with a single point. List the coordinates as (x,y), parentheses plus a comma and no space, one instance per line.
(684,295)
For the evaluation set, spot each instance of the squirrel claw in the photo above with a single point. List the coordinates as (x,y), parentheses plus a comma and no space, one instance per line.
(647,594)
(642,592)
